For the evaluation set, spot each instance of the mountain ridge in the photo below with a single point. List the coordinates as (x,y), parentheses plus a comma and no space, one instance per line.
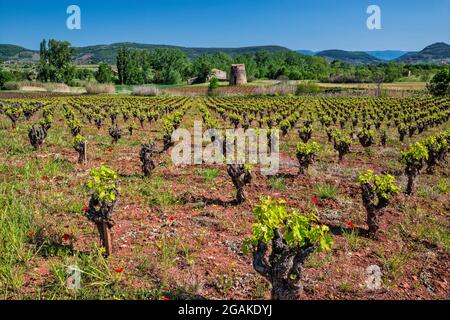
(352,57)
(437,53)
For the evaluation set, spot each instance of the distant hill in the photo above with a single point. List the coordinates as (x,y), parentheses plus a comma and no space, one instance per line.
(307,52)
(387,55)
(9,52)
(438,53)
(352,57)
(356,57)
(108,53)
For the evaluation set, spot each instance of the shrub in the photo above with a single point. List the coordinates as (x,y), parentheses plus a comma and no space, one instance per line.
(104,74)
(305,133)
(282,89)
(104,188)
(75,126)
(342,142)
(306,153)
(291,237)
(147,90)
(437,147)
(440,84)
(11,86)
(366,137)
(414,159)
(308,87)
(131,128)
(100,88)
(213,84)
(376,192)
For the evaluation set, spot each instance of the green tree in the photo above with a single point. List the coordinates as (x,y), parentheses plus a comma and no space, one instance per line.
(104,74)
(122,59)
(439,85)
(84,74)
(171,65)
(5,77)
(202,67)
(55,61)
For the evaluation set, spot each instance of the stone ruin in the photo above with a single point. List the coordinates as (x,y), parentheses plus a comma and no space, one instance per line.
(238,74)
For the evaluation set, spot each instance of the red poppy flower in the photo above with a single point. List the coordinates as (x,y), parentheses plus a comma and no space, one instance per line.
(165,299)
(171,218)
(66,237)
(30,234)
(45,178)
(316,200)
(109,150)
(119,270)
(85,209)
(351,225)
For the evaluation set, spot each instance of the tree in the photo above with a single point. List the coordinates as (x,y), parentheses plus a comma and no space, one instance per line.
(55,61)
(202,67)
(104,74)
(84,74)
(171,65)
(122,59)
(440,84)
(5,77)
(213,88)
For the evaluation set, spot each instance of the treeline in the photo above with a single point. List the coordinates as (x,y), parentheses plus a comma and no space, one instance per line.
(172,66)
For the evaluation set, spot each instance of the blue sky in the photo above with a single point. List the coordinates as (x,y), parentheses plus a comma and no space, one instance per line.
(296,24)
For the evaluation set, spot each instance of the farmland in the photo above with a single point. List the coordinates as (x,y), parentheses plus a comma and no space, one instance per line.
(178,231)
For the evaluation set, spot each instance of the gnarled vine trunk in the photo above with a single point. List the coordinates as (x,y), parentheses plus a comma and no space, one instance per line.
(374,211)
(37,136)
(240,178)
(81,148)
(146,154)
(101,213)
(283,268)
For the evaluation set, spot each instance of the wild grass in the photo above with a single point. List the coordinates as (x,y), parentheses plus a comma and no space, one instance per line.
(277,183)
(353,239)
(393,263)
(209,174)
(326,191)
(16,225)
(147,90)
(424,226)
(100,88)
(43,86)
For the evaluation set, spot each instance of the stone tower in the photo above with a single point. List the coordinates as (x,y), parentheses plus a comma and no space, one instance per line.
(238,75)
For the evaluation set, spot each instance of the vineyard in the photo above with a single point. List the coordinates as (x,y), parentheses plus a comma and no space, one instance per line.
(89,181)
